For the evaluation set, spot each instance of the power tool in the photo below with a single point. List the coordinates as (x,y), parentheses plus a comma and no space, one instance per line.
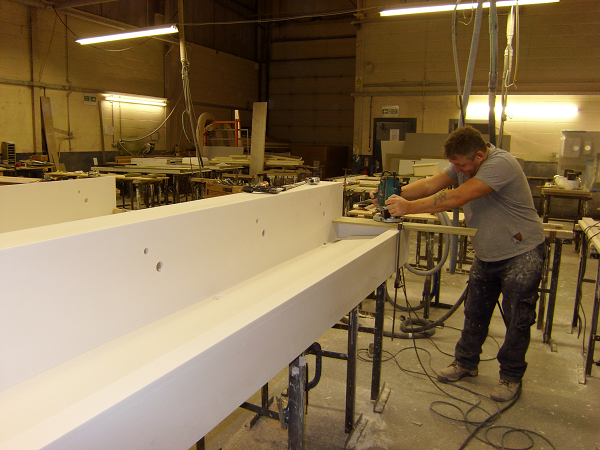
(388,185)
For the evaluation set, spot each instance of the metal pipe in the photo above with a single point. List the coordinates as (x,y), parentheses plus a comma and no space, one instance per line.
(493,70)
(351,369)
(378,340)
(296,401)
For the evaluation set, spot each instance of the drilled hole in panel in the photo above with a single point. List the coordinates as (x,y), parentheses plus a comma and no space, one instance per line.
(159,266)
(256,220)
(146,251)
(264,233)
(86,200)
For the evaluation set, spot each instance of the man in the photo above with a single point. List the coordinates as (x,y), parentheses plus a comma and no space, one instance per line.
(508,249)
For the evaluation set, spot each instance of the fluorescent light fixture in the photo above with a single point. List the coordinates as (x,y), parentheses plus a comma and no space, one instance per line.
(522,111)
(427,8)
(141,32)
(136,100)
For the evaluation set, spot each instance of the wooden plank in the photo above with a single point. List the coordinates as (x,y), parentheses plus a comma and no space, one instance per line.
(460,231)
(18,180)
(48,131)
(591,228)
(257,145)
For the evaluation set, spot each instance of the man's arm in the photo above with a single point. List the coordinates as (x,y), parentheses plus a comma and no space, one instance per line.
(423,187)
(427,186)
(441,201)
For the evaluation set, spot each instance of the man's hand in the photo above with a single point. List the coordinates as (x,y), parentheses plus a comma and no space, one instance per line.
(397,206)
(373,196)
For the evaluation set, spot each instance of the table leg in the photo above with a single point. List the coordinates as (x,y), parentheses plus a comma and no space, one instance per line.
(296,402)
(594,328)
(553,290)
(545,208)
(378,340)
(580,280)
(351,369)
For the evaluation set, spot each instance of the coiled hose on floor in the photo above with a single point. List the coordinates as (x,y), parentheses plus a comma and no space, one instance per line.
(444,220)
(408,325)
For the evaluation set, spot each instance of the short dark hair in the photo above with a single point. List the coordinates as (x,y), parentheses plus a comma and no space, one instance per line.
(464,141)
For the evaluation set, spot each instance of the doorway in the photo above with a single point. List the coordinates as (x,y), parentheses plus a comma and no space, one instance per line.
(382,131)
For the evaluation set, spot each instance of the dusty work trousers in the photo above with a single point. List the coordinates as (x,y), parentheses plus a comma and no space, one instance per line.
(517,279)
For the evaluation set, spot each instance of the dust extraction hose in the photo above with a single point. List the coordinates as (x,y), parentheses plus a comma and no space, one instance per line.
(444,220)
(407,326)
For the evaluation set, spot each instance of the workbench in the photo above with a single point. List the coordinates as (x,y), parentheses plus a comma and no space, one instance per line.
(29,171)
(148,190)
(18,180)
(555,237)
(582,196)
(591,237)
(179,175)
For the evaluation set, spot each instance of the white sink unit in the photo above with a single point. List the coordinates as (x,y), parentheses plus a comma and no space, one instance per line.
(146,329)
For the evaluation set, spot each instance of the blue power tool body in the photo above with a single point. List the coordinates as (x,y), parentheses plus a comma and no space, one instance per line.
(388,185)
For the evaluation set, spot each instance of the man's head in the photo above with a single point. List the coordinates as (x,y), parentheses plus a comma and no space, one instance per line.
(466,149)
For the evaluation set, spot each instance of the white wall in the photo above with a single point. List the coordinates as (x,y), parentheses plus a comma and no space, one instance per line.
(40,58)
(41,50)
(408,62)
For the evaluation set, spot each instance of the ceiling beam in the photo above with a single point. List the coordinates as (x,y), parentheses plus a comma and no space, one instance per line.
(77,3)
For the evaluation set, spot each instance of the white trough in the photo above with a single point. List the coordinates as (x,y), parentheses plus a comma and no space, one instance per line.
(145,330)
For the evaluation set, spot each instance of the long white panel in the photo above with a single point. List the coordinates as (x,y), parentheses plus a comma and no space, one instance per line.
(86,282)
(156,359)
(38,204)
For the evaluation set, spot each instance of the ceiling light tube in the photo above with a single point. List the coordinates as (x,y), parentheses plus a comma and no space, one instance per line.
(136,100)
(428,8)
(141,32)
(522,111)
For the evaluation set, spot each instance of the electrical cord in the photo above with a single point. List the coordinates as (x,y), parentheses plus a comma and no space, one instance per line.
(452,354)
(158,127)
(407,326)
(474,426)
(477,406)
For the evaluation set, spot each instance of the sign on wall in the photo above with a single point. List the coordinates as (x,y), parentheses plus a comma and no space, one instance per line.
(90,98)
(389,110)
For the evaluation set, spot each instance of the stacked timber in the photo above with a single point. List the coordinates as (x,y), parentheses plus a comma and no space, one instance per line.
(271,160)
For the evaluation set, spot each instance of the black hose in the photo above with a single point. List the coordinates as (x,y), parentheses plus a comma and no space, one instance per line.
(407,326)
(400,307)
(411,335)
(315,349)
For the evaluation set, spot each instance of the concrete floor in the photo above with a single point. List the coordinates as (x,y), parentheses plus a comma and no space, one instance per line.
(553,404)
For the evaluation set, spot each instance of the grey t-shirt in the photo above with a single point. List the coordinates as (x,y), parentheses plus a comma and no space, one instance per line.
(503,213)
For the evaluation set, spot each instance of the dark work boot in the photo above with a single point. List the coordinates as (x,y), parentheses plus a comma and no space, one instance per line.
(505,390)
(454,372)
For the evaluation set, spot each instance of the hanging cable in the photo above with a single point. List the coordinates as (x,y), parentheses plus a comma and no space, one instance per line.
(463,102)
(157,128)
(493,79)
(507,70)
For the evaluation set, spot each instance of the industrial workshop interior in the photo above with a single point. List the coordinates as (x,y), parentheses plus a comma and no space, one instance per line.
(316,225)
